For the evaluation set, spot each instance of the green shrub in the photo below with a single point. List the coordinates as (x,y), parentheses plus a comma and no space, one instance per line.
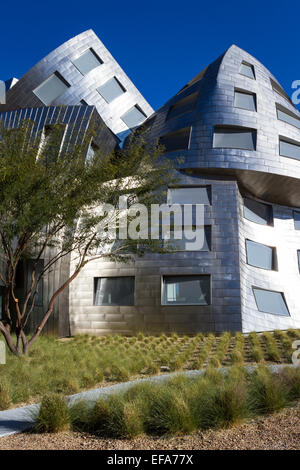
(53,415)
(5,395)
(267,393)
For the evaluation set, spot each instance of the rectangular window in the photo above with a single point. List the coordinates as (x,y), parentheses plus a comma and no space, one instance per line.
(235,138)
(134,117)
(245,100)
(247,70)
(286,116)
(186,105)
(297,220)
(258,212)
(185,244)
(51,89)
(111,89)
(288,149)
(270,302)
(114,291)
(88,61)
(190,195)
(260,256)
(186,290)
(175,141)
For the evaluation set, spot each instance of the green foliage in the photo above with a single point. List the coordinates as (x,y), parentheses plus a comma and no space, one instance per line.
(5,394)
(53,415)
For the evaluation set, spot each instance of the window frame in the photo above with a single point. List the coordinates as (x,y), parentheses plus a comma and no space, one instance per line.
(140,110)
(249,93)
(95,278)
(193,227)
(95,54)
(270,223)
(277,292)
(61,78)
(188,304)
(237,128)
(274,256)
(287,140)
(284,110)
(251,67)
(173,106)
(192,186)
(124,90)
(175,132)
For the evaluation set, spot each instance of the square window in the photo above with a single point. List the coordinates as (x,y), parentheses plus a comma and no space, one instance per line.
(234,137)
(245,100)
(111,89)
(88,61)
(51,89)
(114,291)
(260,256)
(258,212)
(271,302)
(190,195)
(247,70)
(134,117)
(186,290)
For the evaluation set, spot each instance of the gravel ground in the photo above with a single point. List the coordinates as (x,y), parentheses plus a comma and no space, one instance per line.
(279,431)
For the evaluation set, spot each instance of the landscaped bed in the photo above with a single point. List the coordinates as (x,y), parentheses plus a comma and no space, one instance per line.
(84,361)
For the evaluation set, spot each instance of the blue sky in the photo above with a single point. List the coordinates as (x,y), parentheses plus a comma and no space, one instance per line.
(160,44)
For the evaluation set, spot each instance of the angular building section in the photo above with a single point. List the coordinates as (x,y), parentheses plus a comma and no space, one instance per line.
(239,136)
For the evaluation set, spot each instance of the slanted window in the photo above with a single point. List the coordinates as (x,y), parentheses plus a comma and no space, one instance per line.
(88,61)
(178,140)
(261,256)
(52,88)
(277,88)
(186,105)
(290,149)
(234,137)
(258,212)
(190,195)
(111,89)
(186,290)
(247,70)
(190,241)
(297,220)
(286,115)
(245,100)
(134,117)
(114,291)
(270,302)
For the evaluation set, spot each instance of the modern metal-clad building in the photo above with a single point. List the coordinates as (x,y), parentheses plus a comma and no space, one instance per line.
(239,136)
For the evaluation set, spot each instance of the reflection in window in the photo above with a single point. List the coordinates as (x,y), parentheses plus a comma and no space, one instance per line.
(247,70)
(51,89)
(245,100)
(111,89)
(88,61)
(114,291)
(186,290)
(258,212)
(234,137)
(133,117)
(270,302)
(260,256)
(288,149)
(190,195)
(175,141)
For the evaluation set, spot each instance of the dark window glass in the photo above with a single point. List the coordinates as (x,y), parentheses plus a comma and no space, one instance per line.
(245,100)
(259,255)
(111,89)
(286,116)
(238,138)
(51,89)
(270,302)
(183,106)
(114,291)
(247,69)
(287,149)
(133,117)
(83,102)
(88,61)
(190,195)
(258,212)
(178,140)
(297,220)
(186,290)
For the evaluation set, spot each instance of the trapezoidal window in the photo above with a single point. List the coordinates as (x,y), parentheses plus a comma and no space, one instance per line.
(269,301)
(247,70)
(175,141)
(186,290)
(245,100)
(234,137)
(261,256)
(190,195)
(287,116)
(111,90)
(258,212)
(134,117)
(186,105)
(52,88)
(114,291)
(87,61)
(289,149)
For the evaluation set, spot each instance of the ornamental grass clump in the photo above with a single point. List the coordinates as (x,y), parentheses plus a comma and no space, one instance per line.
(267,392)
(256,350)
(5,395)
(53,415)
(273,353)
